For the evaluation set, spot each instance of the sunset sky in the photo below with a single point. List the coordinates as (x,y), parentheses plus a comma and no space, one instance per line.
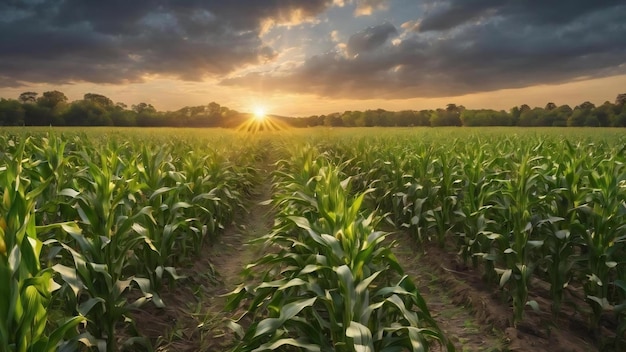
(305,57)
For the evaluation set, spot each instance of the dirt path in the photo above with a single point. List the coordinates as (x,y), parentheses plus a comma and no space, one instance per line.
(461,326)
(193,319)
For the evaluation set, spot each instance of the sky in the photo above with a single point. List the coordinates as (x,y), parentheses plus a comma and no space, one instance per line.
(306,57)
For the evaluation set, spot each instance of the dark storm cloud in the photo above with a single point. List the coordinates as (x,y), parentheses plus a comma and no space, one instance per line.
(446,15)
(371,38)
(443,15)
(459,49)
(117,41)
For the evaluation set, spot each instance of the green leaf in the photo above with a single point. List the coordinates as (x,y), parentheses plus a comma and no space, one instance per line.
(602,302)
(562,234)
(287,312)
(68,192)
(506,275)
(69,277)
(86,306)
(534,305)
(71,228)
(301,222)
(59,333)
(288,341)
(361,337)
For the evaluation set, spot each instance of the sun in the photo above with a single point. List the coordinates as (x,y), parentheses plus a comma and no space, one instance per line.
(259,113)
(260,121)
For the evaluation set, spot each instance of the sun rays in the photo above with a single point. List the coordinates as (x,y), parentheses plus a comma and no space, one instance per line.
(260,121)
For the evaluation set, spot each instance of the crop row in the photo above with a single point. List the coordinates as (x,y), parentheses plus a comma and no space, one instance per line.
(330,281)
(92,228)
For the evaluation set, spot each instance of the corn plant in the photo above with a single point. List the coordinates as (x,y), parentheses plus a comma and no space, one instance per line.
(99,255)
(519,208)
(475,203)
(562,240)
(443,216)
(604,234)
(25,287)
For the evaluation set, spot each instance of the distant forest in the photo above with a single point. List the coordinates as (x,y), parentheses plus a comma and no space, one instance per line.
(53,109)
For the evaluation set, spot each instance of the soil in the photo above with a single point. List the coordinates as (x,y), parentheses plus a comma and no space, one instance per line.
(473,315)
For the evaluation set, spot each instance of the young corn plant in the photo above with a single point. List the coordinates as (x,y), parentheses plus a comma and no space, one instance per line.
(604,234)
(519,206)
(160,186)
(475,203)
(100,273)
(443,216)
(562,239)
(25,287)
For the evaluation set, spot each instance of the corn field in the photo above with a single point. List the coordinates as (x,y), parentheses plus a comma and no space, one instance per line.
(94,225)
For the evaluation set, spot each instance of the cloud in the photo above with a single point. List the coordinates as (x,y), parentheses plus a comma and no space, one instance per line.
(492,47)
(370,38)
(412,49)
(444,15)
(367,7)
(119,41)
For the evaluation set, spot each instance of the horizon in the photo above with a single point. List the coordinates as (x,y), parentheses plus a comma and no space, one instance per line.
(318,57)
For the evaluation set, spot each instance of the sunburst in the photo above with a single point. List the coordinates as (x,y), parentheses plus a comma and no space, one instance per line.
(260,121)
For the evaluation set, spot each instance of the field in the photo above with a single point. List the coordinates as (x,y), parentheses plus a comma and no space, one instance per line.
(313,239)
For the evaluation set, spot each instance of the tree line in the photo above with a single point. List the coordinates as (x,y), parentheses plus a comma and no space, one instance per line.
(583,115)
(52,108)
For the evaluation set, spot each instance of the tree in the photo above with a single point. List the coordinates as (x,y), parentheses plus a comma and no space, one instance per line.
(620,99)
(35,115)
(451,116)
(349,118)
(486,118)
(87,113)
(28,98)
(588,106)
(530,117)
(560,115)
(11,113)
(333,120)
(122,117)
(550,106)
(99,100)
(52,99)
(604,114)
(144,108)
(577,118)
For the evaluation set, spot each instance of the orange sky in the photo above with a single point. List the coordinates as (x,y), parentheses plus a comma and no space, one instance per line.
(173,95)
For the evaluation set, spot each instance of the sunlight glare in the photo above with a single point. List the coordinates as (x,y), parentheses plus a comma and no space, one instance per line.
(259,113)
(260,121)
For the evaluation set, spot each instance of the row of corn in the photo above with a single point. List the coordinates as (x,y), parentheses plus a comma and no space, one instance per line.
(330,281)
(92,227)
(523,209)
